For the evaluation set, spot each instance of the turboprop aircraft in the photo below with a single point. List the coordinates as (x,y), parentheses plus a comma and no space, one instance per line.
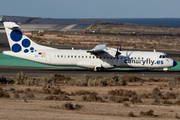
(98,58)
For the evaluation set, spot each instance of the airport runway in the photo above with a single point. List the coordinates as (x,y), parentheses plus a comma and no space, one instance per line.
(38,72)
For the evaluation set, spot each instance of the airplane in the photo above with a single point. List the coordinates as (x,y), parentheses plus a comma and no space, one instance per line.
(99,58)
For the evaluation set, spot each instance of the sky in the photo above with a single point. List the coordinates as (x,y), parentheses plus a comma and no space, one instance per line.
(92,8)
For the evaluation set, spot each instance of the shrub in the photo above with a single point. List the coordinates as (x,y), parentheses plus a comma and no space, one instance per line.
(82,92)
(177,117)
(133,79)
(170,95)
(48,80)
(27,90)
(162,97)
(70,106)
(131,114)
(174,83)
(126,105)
(31,82)
(58,98)
(148,113)
(20,78)
(16,95)
(29,95)
(167,102)
(153,80)
(122,92)
(156,101)
(4,80)
(85,80)
(136,100)
(79,81)
(177,102)
(46,91)
(12,89)
(115,99)
(92,97)
(155,92)
(145,96)
(77,106)
(4,94)
(56,91)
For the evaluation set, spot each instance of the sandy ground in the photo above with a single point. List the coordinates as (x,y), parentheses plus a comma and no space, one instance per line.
(40,109)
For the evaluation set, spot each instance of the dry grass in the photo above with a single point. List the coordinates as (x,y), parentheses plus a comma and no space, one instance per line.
(85,80)
(148,113)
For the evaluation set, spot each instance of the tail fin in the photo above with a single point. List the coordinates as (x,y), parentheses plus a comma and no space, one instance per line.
(18,42)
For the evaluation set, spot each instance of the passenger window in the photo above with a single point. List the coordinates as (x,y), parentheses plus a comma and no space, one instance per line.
(107,58)
(134,57)
(61,56)
(71,56)
(89,56)
(82,56)
(138,58)
(100,57)
(64,56)
(78,56)
(86,56)
(74,56)
(68,56)
(93,57)
(104,57)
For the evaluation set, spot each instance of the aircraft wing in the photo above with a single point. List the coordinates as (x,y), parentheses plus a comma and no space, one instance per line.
(98,49)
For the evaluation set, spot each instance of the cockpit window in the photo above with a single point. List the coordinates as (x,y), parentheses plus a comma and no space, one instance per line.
(163,56)
(166,56)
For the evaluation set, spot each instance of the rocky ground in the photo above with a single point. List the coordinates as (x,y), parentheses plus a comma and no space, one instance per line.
(114,97)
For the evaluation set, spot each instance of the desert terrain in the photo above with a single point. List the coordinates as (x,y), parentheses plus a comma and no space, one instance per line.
(84,97)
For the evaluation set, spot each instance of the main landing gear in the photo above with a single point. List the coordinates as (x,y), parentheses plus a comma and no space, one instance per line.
(97,69)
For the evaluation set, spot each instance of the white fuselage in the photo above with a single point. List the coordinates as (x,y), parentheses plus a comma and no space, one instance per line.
(82,58)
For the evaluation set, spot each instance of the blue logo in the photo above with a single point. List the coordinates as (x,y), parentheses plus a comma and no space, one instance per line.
(16,48)
(26,43)
(16,36)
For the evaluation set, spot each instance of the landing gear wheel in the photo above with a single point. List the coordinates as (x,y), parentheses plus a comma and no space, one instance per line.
(97,69)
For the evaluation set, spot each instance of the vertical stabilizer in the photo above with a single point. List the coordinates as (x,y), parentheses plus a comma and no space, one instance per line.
(18,42)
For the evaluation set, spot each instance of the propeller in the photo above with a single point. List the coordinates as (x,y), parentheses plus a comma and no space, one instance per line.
(117,53)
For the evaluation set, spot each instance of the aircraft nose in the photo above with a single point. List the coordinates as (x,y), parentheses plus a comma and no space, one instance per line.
(174,63)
